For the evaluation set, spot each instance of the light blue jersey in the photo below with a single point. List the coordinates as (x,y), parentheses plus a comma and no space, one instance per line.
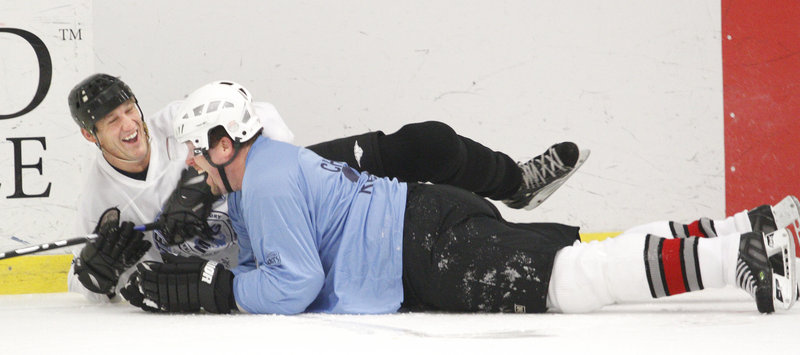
(315,235)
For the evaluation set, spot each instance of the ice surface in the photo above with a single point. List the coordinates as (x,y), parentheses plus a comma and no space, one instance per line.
(708,322)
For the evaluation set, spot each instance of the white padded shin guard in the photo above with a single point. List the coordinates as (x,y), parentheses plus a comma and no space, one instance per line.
(588,276)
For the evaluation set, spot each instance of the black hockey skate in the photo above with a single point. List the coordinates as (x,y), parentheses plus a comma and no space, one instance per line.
(765,268)
(544,174)
(767,219)
(784,215)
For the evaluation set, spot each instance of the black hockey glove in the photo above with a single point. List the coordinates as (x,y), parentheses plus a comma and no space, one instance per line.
(184,214)
(185,286)
(116,248)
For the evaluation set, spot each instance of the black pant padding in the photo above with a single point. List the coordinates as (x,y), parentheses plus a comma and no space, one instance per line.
(428,152)
(460,255)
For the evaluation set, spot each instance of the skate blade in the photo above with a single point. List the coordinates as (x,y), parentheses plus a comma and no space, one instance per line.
(787,216)
(786,212)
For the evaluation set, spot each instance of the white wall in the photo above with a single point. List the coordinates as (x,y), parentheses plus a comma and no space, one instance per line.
(638,82)
(57,145)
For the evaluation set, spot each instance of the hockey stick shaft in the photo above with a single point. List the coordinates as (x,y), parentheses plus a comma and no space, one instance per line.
(62,243)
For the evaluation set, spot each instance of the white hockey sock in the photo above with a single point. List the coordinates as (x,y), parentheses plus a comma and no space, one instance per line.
(660,228)
(588,276)
(703,227)
(717,260)
(638,267)
(737,224)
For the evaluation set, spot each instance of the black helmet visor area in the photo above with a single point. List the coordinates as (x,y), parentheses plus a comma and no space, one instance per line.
(96,96)
(95,107)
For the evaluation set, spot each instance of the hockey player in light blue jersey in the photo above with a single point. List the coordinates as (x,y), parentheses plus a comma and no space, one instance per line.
(316,236)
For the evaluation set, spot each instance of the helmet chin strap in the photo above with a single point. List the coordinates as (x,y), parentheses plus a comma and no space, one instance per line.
(144,123)
(221,167)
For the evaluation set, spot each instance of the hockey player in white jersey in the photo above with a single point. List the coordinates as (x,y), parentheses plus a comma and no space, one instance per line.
(317,236)
(135,179)
(135,171)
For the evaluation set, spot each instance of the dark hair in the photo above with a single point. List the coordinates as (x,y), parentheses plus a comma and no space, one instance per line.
(218,132)
(215,134)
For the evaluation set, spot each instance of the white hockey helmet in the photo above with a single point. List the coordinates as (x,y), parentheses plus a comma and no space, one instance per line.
(221,103)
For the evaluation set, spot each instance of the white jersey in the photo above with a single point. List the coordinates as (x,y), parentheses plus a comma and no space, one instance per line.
(140,201)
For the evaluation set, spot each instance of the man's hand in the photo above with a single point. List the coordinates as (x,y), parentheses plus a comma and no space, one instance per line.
(184,285)
(184,214)
(117,248)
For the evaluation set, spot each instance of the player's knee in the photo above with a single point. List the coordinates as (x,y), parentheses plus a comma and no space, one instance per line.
(577,284)
(435,140)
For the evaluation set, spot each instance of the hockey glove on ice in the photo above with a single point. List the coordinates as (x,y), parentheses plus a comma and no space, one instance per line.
(117,248)
(184,214)
(184,286)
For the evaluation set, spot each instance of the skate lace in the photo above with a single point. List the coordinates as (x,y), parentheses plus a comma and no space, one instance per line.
(744,278)
(536,171)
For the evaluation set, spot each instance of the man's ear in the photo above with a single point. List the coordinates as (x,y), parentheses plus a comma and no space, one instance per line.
(227,147)
(88,136)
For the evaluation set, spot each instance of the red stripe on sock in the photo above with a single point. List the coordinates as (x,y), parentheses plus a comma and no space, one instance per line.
(673,268)
(695,230)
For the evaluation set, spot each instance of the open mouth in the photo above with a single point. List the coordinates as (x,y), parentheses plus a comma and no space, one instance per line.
(132,138)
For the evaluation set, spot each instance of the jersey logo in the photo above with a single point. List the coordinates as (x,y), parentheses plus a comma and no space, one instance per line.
(223,238)
(357,153)
(273,258)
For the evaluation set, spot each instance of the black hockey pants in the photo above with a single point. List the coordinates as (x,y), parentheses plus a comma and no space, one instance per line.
(428,152)
(460,255)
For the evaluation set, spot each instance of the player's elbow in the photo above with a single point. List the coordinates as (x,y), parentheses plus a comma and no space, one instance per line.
(302,293)
(291,297)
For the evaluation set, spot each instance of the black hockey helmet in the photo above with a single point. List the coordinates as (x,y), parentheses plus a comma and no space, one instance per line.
(96,96)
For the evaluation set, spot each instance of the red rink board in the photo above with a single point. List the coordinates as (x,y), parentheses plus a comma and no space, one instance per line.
(761,80)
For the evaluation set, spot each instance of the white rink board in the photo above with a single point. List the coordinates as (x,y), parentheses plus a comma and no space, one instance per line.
(43,209)
(639,83)
(709,322)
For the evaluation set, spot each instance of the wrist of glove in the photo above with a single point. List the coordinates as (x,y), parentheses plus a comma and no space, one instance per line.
(117,248)
(184,213)
(187,285)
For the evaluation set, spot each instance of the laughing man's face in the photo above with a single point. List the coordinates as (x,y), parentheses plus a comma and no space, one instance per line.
(122,137)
